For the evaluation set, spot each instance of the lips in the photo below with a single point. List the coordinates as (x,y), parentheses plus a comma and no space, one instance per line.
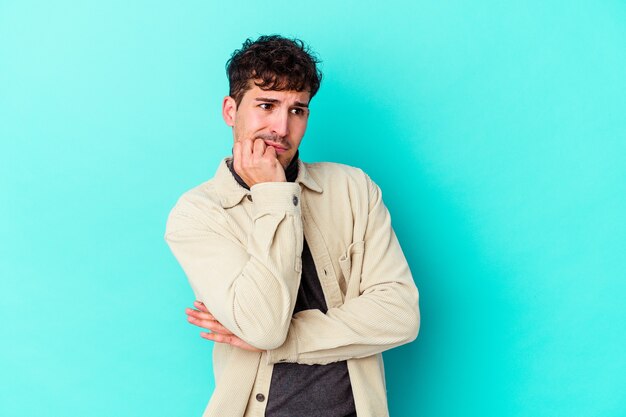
(277,147)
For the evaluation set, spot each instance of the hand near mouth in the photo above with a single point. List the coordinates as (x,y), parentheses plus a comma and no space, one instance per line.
(256,162)
(278,148)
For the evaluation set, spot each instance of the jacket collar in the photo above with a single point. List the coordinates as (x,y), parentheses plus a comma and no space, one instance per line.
(231,193)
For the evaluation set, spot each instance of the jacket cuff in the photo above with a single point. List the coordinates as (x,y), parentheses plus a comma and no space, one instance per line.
(287,352)
(272,197)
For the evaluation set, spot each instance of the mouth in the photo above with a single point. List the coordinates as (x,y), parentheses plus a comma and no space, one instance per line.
(278,148)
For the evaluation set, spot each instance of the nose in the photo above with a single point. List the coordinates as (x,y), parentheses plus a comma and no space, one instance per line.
(280,123)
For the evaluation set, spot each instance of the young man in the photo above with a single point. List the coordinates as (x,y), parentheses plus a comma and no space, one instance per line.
(296,269)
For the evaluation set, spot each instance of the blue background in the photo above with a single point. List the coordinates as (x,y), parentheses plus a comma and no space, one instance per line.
(497,131)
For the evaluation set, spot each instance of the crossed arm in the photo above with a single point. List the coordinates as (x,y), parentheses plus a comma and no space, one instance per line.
(383,314)
(246,295)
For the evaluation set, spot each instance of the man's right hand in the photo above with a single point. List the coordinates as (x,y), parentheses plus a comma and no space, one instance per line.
(256,162)
(202,317)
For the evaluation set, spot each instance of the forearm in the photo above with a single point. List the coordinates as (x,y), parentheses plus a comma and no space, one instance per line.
(363,326)
(249,288)
(381,310)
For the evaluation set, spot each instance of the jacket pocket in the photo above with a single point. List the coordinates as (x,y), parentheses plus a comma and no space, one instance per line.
(351,263)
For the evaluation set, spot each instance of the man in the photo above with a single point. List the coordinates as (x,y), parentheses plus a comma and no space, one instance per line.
(296,269)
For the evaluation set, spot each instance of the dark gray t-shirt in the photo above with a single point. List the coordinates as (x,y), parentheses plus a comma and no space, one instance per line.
(310,390)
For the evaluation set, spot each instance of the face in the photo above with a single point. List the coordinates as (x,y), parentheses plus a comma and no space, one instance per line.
(278,117)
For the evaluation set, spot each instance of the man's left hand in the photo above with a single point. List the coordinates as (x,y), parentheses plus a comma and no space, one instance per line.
(220,334)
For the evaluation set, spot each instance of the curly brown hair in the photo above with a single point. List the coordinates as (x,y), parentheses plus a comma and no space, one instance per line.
(273,63)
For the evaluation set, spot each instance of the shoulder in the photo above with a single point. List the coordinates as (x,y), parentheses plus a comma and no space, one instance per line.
(329,174)
(340,181)
(196,206)
(202,196)
(333,176)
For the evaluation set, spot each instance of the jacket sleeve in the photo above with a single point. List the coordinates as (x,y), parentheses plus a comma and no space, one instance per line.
(250,288)
(382,314)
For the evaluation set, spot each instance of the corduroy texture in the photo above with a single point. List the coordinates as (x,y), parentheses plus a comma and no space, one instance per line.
(242,258)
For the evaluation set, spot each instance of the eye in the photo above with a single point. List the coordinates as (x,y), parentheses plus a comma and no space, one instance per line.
(297,111)
(266,106)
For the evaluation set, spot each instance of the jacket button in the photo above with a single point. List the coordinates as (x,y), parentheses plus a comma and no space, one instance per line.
(295,200)
(249,197)
(260,398)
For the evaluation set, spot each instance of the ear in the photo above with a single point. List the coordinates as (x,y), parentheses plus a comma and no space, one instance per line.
(229,109)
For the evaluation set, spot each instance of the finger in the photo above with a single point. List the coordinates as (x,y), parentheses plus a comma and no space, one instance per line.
(259,148)
(208,336)
(246,150)
(213,325)
(200,314)
(217,337)
(231,340)
(246,156)
(270,153)
(200,306)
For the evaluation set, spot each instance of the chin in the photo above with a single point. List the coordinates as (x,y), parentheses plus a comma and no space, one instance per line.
(285,161)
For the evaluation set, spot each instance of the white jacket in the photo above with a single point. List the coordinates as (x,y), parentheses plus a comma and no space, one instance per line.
(241,252)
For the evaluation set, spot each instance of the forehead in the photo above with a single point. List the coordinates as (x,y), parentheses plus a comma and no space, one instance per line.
(287,96)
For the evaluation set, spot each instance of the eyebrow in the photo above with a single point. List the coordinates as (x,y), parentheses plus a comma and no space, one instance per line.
(273,100)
